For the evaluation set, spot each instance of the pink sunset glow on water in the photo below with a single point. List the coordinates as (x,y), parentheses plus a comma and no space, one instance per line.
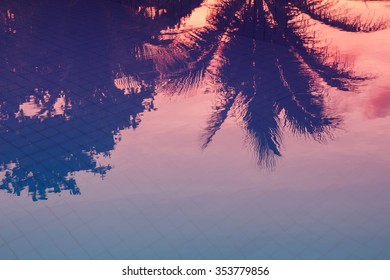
(378,106)
(194,129)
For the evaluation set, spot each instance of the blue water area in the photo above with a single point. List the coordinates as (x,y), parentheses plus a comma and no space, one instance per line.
(214,129)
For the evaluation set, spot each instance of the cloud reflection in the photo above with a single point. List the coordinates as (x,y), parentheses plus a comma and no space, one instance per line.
(378,105)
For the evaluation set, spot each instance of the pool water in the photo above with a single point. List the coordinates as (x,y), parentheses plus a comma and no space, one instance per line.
(194,129)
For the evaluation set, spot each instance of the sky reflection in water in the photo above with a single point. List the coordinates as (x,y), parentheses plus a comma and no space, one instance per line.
(184,75)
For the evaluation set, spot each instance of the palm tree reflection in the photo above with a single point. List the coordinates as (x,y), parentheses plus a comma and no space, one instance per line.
(267,86)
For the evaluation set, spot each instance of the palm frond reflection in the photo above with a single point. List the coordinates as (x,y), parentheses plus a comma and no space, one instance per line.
(266,63)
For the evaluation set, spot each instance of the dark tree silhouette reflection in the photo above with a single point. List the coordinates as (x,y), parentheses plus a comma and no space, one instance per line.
(62,107)
(264,64)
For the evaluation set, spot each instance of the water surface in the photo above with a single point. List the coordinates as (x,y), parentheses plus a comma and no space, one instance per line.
(194,130)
